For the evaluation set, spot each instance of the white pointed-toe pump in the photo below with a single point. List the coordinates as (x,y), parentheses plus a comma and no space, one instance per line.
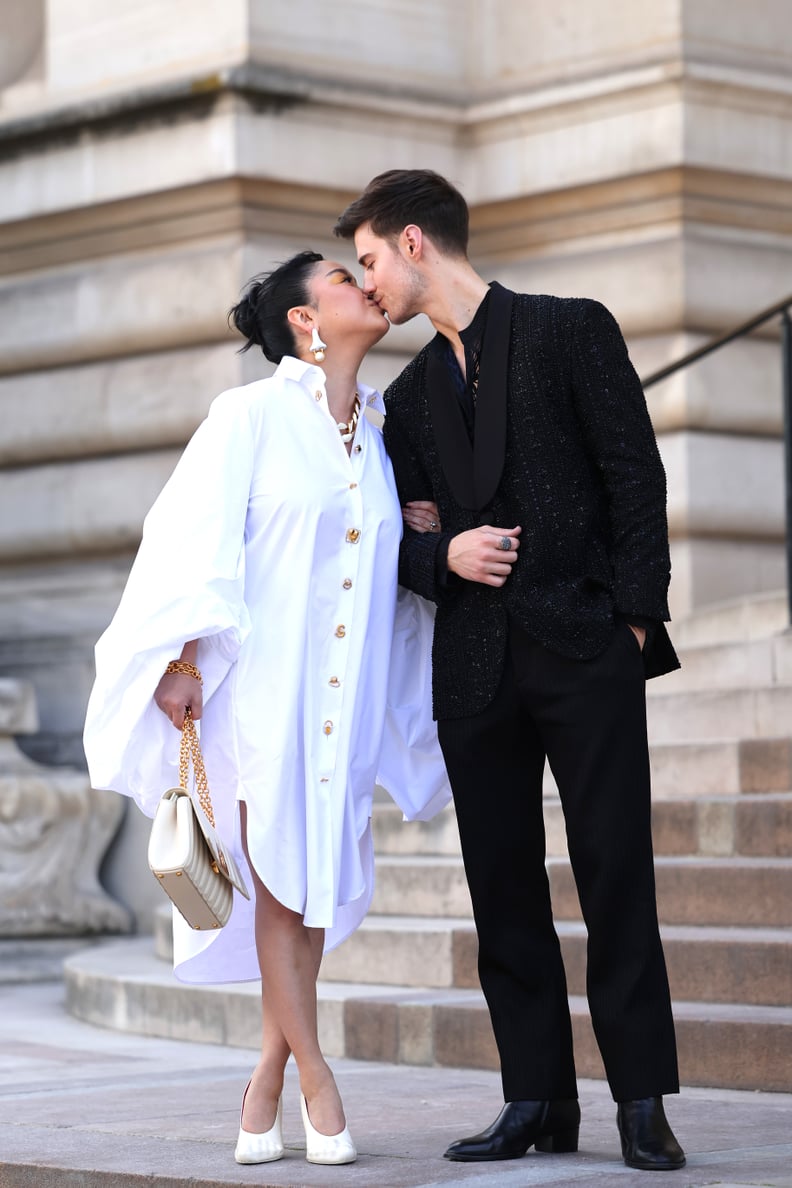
(326,1148)
(260,1148)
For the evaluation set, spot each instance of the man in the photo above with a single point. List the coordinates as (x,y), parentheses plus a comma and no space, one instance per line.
(525,422)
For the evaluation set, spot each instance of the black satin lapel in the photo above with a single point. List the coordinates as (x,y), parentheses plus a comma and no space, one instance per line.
(451,436)
(491,399)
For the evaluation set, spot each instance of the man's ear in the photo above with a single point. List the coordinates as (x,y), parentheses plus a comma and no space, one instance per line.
(411,242)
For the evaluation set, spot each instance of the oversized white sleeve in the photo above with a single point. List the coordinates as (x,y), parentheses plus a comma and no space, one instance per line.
(187,582)
(411,766)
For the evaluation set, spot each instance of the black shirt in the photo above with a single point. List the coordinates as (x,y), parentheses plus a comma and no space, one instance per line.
(467,385)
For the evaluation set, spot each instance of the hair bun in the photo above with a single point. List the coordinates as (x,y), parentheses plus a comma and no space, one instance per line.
(243,315)
(261,314)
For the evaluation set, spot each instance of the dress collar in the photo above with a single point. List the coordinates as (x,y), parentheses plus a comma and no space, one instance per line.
(310,376)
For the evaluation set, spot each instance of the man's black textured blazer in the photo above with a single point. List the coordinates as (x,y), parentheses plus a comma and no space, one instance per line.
(563,447)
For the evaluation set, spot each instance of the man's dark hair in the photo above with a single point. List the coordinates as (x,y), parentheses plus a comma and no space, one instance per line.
(393,200)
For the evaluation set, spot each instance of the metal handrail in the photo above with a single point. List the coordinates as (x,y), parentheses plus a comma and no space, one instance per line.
(781,308)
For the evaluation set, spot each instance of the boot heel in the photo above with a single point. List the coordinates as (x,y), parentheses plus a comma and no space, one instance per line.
(563,1143)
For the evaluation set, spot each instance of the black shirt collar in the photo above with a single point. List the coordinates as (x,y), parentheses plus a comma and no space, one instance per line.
(473,334)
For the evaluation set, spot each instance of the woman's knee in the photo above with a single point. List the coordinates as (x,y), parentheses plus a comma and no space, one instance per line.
(275,913)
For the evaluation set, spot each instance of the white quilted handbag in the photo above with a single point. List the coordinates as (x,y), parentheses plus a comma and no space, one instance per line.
(185,853)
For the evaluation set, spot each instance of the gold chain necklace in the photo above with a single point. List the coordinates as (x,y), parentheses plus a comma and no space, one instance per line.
(347,428)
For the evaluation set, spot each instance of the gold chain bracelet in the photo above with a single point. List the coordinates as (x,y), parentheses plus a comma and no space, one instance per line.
(184,668)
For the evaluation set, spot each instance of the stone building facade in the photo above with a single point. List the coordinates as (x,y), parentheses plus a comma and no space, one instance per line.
(153,155)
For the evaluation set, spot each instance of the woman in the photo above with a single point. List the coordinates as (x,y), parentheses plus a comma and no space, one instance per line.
(265,585)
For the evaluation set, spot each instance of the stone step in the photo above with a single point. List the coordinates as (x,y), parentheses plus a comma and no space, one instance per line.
(754,617)
(393,835)
(720,891)
(680,770)
(752,966)
(717,766)
(734,665)
(715,825)
(763,826)
(123,985)
(421,886)
(704,964)
(25,960)
(715,714)
(737,892)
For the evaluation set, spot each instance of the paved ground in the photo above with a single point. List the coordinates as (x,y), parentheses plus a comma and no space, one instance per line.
(82,1107)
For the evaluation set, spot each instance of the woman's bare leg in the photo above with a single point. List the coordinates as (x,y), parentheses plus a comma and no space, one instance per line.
(289,959)
(266,1083)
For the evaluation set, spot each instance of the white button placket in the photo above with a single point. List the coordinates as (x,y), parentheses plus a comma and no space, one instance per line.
(333,680)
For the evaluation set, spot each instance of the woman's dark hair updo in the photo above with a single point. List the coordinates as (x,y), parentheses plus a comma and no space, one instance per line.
(260,315)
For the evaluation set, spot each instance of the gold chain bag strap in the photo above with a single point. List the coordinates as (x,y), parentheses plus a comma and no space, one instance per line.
(186,855)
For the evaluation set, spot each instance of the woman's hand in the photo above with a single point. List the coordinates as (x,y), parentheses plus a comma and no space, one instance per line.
(175,692)
(421,516)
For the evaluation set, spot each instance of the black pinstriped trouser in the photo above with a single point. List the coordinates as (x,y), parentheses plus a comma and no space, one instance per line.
(589,719)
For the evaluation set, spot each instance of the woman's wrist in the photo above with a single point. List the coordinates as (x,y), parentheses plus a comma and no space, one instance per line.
(184,668)
(189,653)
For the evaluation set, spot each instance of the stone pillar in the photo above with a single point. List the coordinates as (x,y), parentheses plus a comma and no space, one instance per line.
(643,156)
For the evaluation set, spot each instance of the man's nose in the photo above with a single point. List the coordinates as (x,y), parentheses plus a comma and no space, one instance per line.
(368,284)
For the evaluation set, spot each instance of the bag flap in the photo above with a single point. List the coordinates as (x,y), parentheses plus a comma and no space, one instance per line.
(226,863)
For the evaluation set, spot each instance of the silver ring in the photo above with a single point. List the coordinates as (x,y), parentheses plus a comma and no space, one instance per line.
(433,524)
(505,543)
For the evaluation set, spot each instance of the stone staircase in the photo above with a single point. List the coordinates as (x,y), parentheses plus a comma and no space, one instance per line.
(404,988)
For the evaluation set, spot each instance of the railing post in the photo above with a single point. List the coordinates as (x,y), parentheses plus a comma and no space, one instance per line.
(786,371)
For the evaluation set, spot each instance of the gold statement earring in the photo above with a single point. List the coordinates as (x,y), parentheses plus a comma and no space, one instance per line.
(317,347)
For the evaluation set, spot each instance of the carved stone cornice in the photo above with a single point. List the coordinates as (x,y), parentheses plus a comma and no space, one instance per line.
(672,198)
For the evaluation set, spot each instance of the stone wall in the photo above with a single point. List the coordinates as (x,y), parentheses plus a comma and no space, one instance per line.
(153,156)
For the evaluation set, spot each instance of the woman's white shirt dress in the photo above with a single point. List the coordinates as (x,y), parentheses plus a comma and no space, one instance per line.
(278,551)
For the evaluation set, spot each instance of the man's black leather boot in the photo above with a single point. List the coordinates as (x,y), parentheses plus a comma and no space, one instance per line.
(547,1125)
(647,1140)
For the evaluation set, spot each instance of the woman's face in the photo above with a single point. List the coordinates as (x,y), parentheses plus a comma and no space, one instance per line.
(342,309)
